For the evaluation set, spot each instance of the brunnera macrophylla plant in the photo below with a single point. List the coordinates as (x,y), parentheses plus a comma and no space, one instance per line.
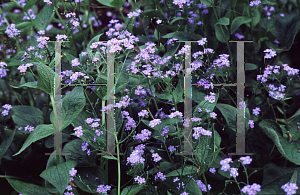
(149,108)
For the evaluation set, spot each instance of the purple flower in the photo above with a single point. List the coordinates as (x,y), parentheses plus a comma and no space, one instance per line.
(72,172)
(139,179)
(256,111)
(103,189)
(171,148)
(158,21)
(156,157)
(75,62)
(78,131)
(160,175)
(12,31)
(256,3)
(212,170)
(154,122)
(251,123)
(246,160)
(289,188)
(84,146)
(144,135)
(213,115)
(233,172)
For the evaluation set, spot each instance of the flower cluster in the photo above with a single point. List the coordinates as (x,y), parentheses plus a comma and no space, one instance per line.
(24,67)
(200,130)
(160,175)
(210,98)
(144,135)
(256,3)
(289,188)
(139,180)
(156,157)
(202,186)
(256,111)
(251,189)
(7,107)
(78,131)
(29,128)
(269,12)
(225,164)
(12,31)
(136,155)
(137,13)
(103,189)
(3,70)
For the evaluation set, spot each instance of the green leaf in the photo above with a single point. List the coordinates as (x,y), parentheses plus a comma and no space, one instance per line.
(52,160)
(109,157)
(58,175)
(176,19)
(193,188)
(294,177)
(238,21)
(250,66)
(81,157)
(171,51)
(287,150)
(182,36)
(219,33)
(285,30)
(88,175)
(229,112)
(207,2)
(132,190)
(29,4)
(5,144)
(72,105)
(28,84)
(112,3)
(27,188)
(187,170)
(156,34)
(46,78)
(27,115)
(178,92)
(43,18)
(39,132)
(223,21)
(16,61)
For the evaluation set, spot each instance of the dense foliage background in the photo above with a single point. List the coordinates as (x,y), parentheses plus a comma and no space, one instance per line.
(149,96)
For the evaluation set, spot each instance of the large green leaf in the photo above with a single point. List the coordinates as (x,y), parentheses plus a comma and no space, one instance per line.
(58,175)
(5,144)
(46,78)
(223,21)
(132,190)
(187,170)
(285,30)
(28,84)
(182,36)
(29,4)
(27,188)
(81,157)
(219,30)
(43,18)
(16,61)
(27,115)
(229,113)
(287,150)
(112,3)
(72,105)
(39,132)
(88,176)
(275,176)
(238,21)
